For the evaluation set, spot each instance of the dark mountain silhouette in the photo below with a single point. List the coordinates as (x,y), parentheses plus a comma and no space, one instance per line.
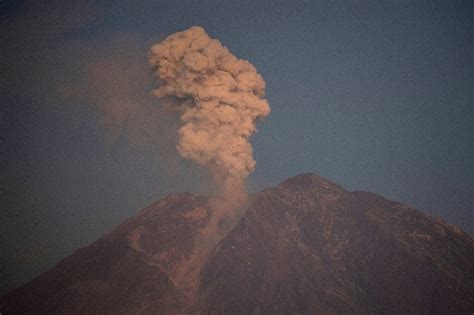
(305,246)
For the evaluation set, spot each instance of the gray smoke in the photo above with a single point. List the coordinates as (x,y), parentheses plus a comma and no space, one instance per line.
(219,99)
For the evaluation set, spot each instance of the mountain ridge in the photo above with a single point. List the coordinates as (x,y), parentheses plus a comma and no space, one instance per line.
(306,245)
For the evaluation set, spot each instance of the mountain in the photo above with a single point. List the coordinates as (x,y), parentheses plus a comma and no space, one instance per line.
(305,246)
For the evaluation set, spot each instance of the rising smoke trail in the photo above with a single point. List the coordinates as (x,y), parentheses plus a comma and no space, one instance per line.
(219,100)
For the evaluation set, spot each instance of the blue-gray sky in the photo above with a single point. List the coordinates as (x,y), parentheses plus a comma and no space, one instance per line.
(373,95)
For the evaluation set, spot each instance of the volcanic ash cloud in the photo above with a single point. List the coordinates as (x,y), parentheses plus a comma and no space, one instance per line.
(219,99)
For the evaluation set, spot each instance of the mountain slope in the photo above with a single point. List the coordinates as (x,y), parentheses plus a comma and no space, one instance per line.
(305,246)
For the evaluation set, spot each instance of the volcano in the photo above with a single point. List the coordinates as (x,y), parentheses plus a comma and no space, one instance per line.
(305,246)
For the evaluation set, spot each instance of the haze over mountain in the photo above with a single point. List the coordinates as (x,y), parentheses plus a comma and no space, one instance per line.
(305,246)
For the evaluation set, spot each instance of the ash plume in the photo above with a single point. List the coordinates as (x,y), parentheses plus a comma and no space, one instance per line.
(219,99)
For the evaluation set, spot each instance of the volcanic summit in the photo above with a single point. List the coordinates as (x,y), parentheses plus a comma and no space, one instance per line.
(305,246)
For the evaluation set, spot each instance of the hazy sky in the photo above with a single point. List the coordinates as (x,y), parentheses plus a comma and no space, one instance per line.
(373,95)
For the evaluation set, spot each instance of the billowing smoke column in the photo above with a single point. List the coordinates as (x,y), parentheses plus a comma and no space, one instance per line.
(219,99)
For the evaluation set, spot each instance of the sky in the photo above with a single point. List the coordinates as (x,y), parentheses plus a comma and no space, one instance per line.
(372,95)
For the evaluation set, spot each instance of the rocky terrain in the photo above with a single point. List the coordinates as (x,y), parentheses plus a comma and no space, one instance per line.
(305,246)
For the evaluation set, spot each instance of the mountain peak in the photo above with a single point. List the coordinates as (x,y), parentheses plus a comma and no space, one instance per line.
(306,246)
(308,182)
